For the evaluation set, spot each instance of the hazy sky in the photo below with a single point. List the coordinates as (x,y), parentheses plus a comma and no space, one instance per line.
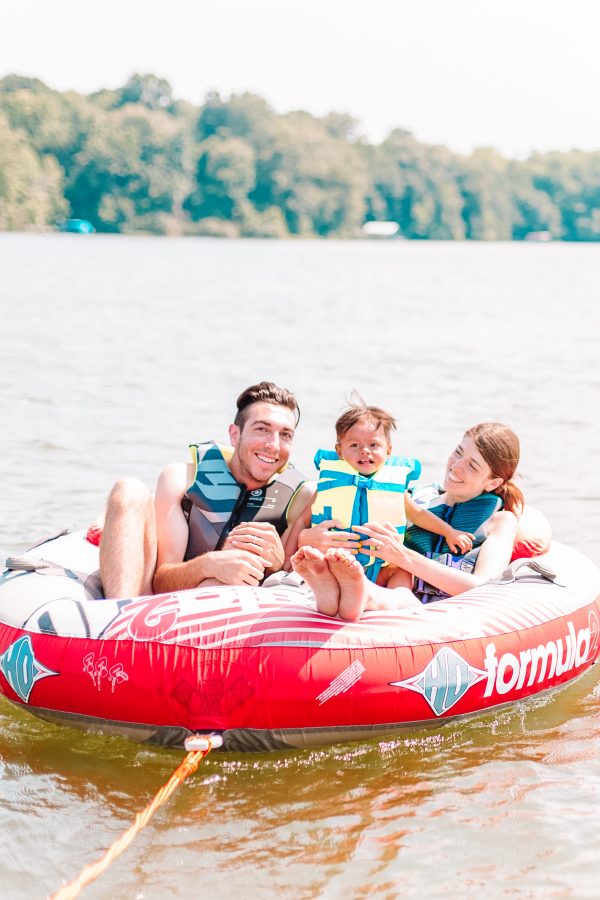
(515,74)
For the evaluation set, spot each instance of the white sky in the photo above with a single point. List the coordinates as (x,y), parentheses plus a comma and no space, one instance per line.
(518,75)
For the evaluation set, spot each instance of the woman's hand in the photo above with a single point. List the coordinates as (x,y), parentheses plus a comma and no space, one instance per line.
(384,543)
(322,537)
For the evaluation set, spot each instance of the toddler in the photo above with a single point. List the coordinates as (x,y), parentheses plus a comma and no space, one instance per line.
(358,484)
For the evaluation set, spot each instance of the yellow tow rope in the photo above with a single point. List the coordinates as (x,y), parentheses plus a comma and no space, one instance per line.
(198,746)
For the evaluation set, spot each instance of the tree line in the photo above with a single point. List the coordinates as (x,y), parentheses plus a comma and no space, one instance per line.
(136,159)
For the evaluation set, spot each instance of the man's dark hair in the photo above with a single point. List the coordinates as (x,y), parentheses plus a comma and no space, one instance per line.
(264,392)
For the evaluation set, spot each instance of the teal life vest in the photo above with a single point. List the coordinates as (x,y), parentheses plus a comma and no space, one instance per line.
(215,502)
(472,516)
(355,499)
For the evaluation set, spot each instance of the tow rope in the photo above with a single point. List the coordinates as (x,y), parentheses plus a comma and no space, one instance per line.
(198,746)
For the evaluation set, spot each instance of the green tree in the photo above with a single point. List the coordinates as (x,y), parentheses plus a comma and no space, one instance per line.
(56,124)
(30,186)
(572,183)
(225,175)
(416,185)
(534,210)
(148,90)
(488,210)
(136,159)
(14,82)
(131,173)
(296,164)
(244,116)
(343,126)
(319,182)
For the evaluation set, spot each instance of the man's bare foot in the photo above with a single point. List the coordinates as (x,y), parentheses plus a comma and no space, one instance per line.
(352,581)
(311,565)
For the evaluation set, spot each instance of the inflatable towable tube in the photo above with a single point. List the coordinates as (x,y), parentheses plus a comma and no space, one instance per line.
(264,669)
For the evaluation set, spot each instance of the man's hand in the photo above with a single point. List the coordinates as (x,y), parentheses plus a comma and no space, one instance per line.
(237,567)
(322,537)
(259,538)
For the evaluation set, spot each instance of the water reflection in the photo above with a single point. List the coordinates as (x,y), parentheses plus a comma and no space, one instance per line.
(476,802)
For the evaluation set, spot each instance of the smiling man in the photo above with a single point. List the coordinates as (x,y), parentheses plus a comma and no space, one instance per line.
(224,519)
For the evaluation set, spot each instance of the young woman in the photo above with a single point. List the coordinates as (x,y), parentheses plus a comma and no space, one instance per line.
(478,496)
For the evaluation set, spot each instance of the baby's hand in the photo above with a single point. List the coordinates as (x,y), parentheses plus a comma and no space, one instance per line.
(459,541)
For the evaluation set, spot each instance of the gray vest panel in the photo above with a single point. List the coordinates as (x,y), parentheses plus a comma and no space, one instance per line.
(215,502)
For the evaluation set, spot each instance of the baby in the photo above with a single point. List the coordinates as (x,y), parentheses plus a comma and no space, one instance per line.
(361,482)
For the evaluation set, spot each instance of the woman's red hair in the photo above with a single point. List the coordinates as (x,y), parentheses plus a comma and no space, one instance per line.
(499,446)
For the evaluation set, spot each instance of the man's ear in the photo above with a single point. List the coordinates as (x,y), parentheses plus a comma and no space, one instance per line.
(234,435)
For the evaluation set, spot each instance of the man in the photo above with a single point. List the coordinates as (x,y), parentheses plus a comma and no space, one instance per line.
(223,520)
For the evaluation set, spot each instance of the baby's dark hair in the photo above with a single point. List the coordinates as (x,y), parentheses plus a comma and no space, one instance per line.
(264,392)
(373,414)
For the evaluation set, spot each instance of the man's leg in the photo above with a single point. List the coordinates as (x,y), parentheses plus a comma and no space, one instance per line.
(128,545)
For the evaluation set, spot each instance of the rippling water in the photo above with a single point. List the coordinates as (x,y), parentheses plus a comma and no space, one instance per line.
(117,352)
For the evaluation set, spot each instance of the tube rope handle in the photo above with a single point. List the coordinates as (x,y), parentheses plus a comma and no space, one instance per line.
(198,746)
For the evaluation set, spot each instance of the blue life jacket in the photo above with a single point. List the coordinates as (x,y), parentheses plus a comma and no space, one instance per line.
(472,516)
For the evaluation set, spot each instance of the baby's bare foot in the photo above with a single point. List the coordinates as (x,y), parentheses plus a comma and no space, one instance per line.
(352,581)
(310,564)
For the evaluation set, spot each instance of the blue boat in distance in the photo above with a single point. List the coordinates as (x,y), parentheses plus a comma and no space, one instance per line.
(78,226)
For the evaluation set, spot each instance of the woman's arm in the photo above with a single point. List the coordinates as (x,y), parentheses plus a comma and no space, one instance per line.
(458,541)
(494,555)
(496,551)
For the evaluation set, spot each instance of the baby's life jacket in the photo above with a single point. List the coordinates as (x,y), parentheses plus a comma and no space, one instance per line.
(355,499)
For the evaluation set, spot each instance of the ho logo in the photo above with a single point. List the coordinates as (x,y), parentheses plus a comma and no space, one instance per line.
(21,669)
(445,679)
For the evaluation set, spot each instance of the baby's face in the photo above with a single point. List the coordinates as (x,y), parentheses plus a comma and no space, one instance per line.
(364,447)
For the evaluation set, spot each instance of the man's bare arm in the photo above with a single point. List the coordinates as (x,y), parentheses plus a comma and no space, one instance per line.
(172,573)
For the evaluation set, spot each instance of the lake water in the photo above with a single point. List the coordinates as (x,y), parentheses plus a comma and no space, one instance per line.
(117,352)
